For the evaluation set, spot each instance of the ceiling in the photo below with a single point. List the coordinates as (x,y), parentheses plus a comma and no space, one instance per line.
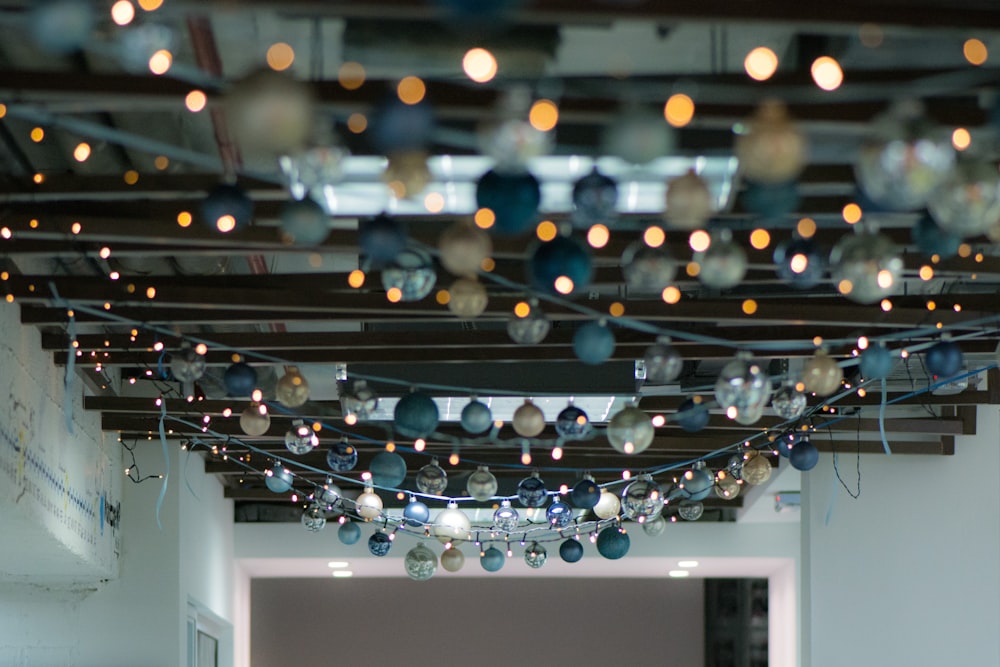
(73,224)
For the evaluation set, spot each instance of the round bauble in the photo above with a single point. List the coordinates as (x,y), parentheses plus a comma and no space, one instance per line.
(756,469)
(349,532)
(821,374)
(506,518)
(407,173)
(511,143)
(420,563)
(608,506)
(529,420)
(560,266)
(432,479)
(452,560)
(723,264)
(240,379)
(467,298)
(379,544)
(416,513)
(416,415)
(803,455)
(513,198)
(300,439)
(280,480)
(571,551)
(773,149)
(595,200)
(559,514)
(771,201)
(655,527)
(630,430)
(535,555)
(476,417)
(412,273)
(292,389)
(531,491)
(647,270)
(572,423)
(875,362)
(398,127)
(642,499)
(800,263)
(612,543)
(369,505)
(639,136)
(696,484)
(789,403)
(381,239)
(692,415)
(482,484)
(690,510)
(866,267)
(452,524)
(304,223)
(492,559)
(944,359)
(313,519)
(742,385)
(593,343)
(388,470)
(360,401)
(663,363)
(585,493)
(342,457)
(270,113)
(688,202)
(727,487)
(186,365)
(529,330)
(255,421)
(463,247)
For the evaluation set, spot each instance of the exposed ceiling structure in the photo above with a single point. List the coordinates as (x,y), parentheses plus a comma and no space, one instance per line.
(101,236)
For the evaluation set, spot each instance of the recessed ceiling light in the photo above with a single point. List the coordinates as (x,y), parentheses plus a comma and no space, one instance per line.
(342,574)
(687,564)
(337,563)
(675,574)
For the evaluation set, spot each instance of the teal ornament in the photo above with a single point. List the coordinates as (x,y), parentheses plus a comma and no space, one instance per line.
(585,493)
(553,261)
(571,551)
(240,379)
(349,532)
(559,514)
(944,359)
(785,443)
(931,239)
(492,559)
(593,343)
(476,417)
(513,198)
(696,483)
(280,480)
(412,273)
(875,362)
(531,491)
(506,518)
(416,415)
(573,423)
(803,455)
(771,200)
(388,469)
(342,457)
(381,239)
(692,416)
(227,200)
(61,26)
(416,513)
(304,223)
(535,555)
(379,544)
(799,263)
(595,200)
(612,543)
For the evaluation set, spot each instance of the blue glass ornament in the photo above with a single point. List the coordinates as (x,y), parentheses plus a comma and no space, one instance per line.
(280,480)
(492,559)
(412,273)
(349,532)
(513,198)
(240,379)
(61,26)
(696,483)
(562,257)
(398,127)
(800,263)
(342,457)
(559,514)
(416,415)
(379,544)
(506,517)
(613,543)
(416,513)
(593,343)
(388,469)
(771,201)
(381,239)
(227,200)
(875,362)
(692,416)
(572,422)
(571,551)
(595,200)
(585,493)
(476,417)
(304,223)
(930,239)
(803,455)
(531,491)
(944,359)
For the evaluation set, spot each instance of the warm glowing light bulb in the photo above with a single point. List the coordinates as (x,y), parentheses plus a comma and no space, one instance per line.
(484,218)
(975,51)
(479,65)
(679,110)
(195,101)
(654,236)
(826,72)
(434,202)
(960,138)
(564,284)
(761,63)
(411,90)
(851,213)
(280,56)
(806,228)
(671,295)
(225,223)
(356,278)
(598,236)
(546,230)
(699,240)
(760,238)
(81,152)
(544,115)
(122,12)
(160,62)
(798,263)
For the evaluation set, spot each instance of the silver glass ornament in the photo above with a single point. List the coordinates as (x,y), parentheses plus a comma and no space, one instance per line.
(723,264)
(647,270)
(535,555)
(655,526)
(314,173)
(506,518)
(968,202)
(690,510)
(630,430)
(662,362)
(186,365)
(573,423)
(529,330)
(866,267)
(742,385)
(292,389)
(432,479)
(420,563)
(328,494)
(727,487)
(788,402)
(642,499)
(512,142)
(314,518)
(482,484)
(300,439)
(360,401)
(412,273)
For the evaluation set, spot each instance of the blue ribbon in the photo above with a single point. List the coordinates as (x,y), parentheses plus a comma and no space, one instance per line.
(166,462)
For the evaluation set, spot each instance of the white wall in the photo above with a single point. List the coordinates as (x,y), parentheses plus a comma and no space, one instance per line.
(908,574)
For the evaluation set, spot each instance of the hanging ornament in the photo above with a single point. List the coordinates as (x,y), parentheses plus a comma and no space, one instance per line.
(361,401)
(311,174)
(608,506)
(476,417)
(279,480)
(593,343)
(535,555)
(613,543)
(690,510)
(866,266)
(931,239)
(559,514)
(742,386)
(492,559)
(420,563)
(689,202)
(531,329)
(529,420)
(771,149)
(803,455)
(254,420)
(531,491)
(944,359)
(416,513)
(751,415)
(369,504)
(734,466)
(901,166)
(875,362)
(406,173)
(595,200)
(61,26)
(379,544)
(329,494)
(512,142)
(240,379)
(647,270)
(349,532)
(467,298)
(560,266)
(638,136)
(755,469)
(300,439)
(968,202)
(270,113)
(655,527)
(416,415)
(663,363)
(482,484)
(452,559)
(186,365)
(723,264)
(799,263)
(506,518)
(139,43)
(692,415)
(571,551)
(513,198)
(399,127)
(821,374)
(412,273)
(314,518)
(388,470)
(572,423)
(452,524)
(788,402)
(771,201)
(585,494)
(342,456)
(432,479)
(463,247)
(630,430)
(292,389)
(642,499)
(727,486)
(381,239)
(304,223)
(696,483)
